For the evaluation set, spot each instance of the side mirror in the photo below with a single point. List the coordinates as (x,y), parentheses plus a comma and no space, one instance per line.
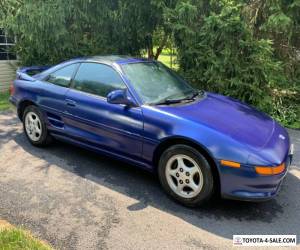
(120,96)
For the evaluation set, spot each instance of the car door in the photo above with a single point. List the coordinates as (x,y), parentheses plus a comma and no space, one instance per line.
(91,119)
(52,95)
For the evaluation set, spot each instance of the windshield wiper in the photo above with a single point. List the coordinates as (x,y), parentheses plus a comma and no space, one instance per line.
(168,101)
(194,94)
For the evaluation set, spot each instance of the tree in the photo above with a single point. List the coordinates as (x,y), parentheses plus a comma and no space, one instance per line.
(279,21)
(218,51)
(51,31)
(248,49)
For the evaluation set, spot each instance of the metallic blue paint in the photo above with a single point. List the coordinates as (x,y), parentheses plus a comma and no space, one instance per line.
(120,96)
(223,127)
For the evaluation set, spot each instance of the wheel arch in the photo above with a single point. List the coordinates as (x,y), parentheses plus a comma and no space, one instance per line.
(22,106)
(175,140)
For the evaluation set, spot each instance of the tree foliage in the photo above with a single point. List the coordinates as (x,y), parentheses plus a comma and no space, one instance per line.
(219,49)
(249,49)
(50,31)
(278,20)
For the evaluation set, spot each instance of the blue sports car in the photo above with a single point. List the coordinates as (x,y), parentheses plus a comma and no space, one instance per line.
(142,112)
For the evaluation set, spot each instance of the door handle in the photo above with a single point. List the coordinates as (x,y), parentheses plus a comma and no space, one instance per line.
(70,102)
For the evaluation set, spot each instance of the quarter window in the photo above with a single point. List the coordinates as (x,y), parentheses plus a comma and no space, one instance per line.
(62,77)
(98,79)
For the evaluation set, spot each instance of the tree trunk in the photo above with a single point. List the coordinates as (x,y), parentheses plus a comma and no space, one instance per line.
(161,47)
(150,48)
(150,52)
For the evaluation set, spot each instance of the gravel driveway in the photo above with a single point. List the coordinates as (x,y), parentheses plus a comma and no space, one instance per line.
(75,199)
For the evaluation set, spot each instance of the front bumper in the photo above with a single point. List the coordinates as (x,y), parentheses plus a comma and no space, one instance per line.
(245,184)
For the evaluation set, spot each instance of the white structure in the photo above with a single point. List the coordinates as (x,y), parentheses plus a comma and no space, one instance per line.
(7,61)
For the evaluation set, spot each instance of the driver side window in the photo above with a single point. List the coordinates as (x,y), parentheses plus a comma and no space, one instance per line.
(98,79)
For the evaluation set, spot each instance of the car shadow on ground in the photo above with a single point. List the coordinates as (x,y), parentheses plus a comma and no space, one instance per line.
(221,217)
(13,124)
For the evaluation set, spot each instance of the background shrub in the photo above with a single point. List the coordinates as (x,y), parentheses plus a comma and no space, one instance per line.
(218,50)
(248,49)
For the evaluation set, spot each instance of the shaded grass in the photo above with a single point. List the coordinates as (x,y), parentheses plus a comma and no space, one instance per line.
(4,103)
(12,238)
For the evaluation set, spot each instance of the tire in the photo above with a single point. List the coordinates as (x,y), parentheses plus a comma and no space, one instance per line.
(35,128)
(185,166)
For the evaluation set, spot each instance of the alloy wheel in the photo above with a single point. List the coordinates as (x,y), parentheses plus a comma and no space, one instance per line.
(33,126)
(184,176)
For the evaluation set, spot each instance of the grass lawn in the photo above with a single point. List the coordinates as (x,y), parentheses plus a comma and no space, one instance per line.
(12,238)
(4,103)
(166,59)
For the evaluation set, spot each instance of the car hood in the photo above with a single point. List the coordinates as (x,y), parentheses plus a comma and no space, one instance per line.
(228,116)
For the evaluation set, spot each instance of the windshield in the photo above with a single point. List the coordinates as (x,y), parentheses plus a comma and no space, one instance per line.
(155,83)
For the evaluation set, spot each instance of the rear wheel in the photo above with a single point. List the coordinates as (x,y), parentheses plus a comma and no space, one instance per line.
(186,175)
(35,127)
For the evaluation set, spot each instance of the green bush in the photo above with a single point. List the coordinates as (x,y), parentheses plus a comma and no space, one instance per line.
(218,51)
(49,32)
(246,49)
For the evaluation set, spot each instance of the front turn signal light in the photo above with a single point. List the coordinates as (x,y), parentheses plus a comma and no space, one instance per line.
(270,170)
(232,164)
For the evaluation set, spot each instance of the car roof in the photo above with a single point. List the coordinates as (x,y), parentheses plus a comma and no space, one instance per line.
(106,59)
(110,59)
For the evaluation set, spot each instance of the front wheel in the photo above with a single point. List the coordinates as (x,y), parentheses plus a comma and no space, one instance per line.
(186,175)
(35,127)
